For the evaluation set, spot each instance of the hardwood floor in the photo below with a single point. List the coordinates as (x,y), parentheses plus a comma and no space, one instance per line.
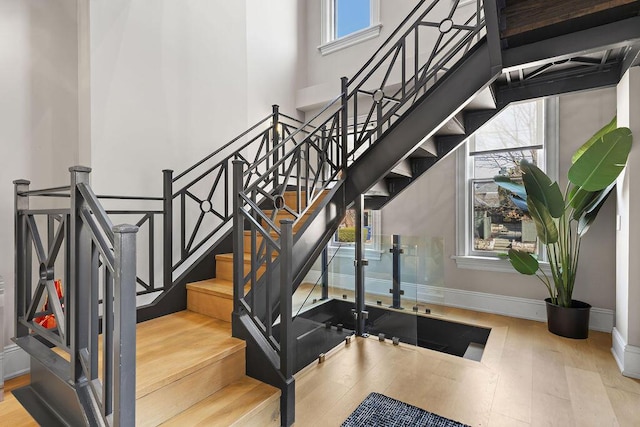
(527,377)
(11,412)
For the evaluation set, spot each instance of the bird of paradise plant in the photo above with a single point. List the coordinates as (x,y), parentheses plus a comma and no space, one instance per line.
(562,219)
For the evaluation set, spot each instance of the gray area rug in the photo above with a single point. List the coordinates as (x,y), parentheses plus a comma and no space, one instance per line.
(378,410)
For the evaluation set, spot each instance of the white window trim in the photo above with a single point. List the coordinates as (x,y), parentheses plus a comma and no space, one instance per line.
(329,44)
(494,263)
(371,251)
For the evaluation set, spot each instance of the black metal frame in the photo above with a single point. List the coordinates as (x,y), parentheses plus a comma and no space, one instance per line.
(99,269)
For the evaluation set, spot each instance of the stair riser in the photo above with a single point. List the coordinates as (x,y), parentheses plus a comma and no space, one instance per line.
(224,269)
(210,305)
(166,402)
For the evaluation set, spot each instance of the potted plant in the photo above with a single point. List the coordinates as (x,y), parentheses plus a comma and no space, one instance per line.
(562,220)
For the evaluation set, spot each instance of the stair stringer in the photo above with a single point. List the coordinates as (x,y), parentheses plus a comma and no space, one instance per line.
(470,76)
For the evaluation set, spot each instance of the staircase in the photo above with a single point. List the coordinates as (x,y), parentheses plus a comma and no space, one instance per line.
(417,99)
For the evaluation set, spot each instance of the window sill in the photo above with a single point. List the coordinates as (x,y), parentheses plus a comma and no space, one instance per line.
(494,264)
(350,40)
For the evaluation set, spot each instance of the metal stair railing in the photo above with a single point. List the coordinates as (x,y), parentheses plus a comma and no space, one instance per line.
(429,42)
(95,319)
(198,201)
(316,157)
(318,153)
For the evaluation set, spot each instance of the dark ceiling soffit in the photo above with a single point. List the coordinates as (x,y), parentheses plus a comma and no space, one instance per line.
(609,36)
(560,85)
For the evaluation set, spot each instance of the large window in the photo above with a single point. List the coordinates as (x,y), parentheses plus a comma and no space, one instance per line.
(346,22)
(490,221)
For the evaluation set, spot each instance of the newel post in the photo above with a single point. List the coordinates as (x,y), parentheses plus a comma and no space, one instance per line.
(124,338)
(22,255)
(238,236)
(275,140)
(80,273)
(344,83)
(167,226)
(287,353)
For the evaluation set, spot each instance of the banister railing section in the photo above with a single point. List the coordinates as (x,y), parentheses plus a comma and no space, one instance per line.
(90,314)
(315,157)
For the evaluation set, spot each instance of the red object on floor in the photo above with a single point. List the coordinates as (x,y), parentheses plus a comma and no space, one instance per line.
(49,321)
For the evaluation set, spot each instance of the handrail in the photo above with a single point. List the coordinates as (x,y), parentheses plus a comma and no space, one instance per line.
(291,137)
(228,144)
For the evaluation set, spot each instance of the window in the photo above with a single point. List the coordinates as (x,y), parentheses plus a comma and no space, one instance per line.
(490,222)
(343,241)
(347,22)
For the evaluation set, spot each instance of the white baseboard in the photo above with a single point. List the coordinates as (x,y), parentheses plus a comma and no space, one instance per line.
(627,356)
(16,362)
(523,308)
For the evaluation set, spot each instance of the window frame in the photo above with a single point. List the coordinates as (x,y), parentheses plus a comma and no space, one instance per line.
(330,44)
(466,255)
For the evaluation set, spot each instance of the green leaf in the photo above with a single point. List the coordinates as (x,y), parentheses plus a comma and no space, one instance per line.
(606,129)
(540,186)
(591,211)
(579,200)
(602,162)
(510,185)
(523,262)
(545,226)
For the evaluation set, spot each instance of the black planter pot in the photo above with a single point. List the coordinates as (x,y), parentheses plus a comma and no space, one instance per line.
(569,322)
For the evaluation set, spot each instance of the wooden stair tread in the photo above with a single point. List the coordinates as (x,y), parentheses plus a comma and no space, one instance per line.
(218,287)
(173,346)
(235,403)
(247,257)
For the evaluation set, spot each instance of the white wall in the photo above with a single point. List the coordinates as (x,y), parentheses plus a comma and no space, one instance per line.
(38,106)
(168,86)
(161,84)
(275,55)
(427,207)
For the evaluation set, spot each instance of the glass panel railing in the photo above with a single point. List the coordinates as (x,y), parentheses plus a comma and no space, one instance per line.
(322,306)
(405,298)
(390,290)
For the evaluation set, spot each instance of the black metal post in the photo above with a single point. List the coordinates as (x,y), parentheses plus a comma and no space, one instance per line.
(124,338)
(287,354)
(22,255)
(396,250)
(493,36)
(360,263)
(344,87)
(325,273)
(275,137)
(80,293)
(167,227)
(238,236)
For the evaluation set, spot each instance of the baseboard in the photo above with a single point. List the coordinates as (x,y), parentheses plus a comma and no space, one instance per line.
(523,308)
(627,356)
(16,362)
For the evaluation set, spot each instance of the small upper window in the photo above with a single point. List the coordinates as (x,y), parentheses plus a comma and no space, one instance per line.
(347,22)
(351,16)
